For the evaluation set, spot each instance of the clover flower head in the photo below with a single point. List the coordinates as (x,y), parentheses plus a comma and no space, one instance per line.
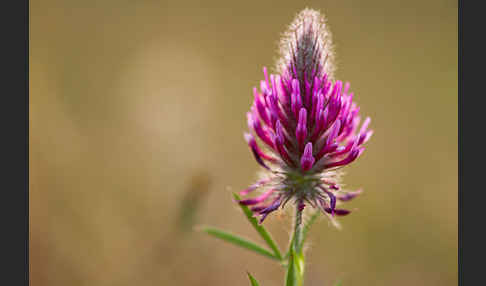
(306,124)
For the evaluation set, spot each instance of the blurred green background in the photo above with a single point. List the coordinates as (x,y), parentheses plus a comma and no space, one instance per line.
(137,111)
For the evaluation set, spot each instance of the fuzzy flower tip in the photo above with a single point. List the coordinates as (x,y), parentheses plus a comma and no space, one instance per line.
(306,124)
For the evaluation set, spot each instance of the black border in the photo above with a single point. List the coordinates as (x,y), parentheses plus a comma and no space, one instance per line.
(14,124)
(472,190)
(15,127)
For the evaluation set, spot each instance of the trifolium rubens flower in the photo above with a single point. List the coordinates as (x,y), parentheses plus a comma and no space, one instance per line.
(306,124)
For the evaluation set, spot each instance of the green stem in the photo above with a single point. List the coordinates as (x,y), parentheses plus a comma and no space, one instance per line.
(298,229)
(295,265)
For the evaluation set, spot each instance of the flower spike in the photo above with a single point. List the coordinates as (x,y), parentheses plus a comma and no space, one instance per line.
(308,123)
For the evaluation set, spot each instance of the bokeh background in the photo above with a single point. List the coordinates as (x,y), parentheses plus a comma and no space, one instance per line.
(137,110)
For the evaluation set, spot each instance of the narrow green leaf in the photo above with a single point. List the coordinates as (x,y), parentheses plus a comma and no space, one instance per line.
(259,228)
(295,267)
(308,224)
(338,283)
(242,242)
(286,256)
(252,280)
(290,279)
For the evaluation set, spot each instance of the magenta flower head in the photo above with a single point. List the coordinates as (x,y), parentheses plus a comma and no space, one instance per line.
(304,125)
